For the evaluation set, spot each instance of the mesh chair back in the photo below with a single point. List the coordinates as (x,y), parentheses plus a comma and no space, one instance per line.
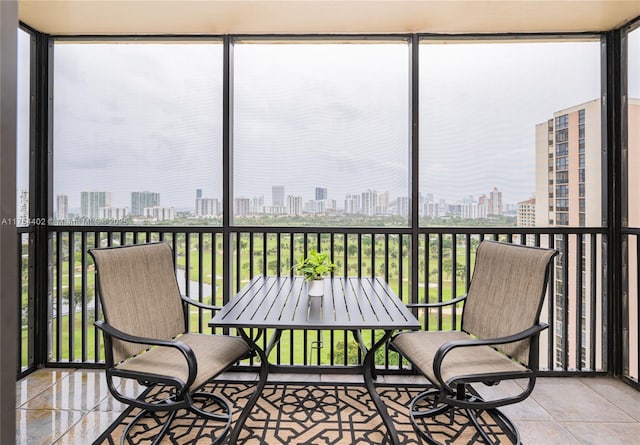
(506,293)
(139,294)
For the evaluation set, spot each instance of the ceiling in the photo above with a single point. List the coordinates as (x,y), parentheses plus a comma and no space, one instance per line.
(82,17)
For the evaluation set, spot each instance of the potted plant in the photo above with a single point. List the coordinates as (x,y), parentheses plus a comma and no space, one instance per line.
(314,267)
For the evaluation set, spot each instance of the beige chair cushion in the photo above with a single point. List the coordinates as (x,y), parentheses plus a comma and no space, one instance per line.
(420,348)
(214,354)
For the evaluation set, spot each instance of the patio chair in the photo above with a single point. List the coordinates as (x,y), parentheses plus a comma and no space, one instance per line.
(144,327)
(498,339)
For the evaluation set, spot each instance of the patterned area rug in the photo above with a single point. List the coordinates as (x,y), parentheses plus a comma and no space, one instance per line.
(294,413)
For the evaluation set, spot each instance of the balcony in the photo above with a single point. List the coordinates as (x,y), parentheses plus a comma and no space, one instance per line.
(589,355)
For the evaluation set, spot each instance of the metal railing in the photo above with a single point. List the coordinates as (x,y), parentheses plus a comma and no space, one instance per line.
(431,263)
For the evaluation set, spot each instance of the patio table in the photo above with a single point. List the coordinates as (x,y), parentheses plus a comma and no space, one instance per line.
(348,303)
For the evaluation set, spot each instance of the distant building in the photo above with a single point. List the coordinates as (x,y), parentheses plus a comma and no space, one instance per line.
(495,202)
(207,207)
(257,204)
(431,209)
(90,203)
(369,202)
(352,204)
(277,196)
(473,210)
(526,216)
(402,206)
(113,213)
(142,200)
(321,193)
(62,207)
(383,202)
(294,204)
(241,206)
(23,208)
(158,213)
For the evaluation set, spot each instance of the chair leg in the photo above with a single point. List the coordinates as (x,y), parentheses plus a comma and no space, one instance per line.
(416,413)
(434,407)
(225,416)
(508,427)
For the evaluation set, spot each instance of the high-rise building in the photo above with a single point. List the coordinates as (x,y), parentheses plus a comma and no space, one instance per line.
(369,202)
(526,216)
(90,203)
(22,215)
(294,205)
(207,207)
(569,168)
(257,204)
(495,202)
(352,204)
(402,206)
(321,193)
(431,209)
(62,207)
(277,196)
(383,202)
(241,206)
(142,200)
(569,193)
(113,213)
(158,213)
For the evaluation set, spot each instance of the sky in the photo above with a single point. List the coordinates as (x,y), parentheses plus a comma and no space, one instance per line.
(142,116)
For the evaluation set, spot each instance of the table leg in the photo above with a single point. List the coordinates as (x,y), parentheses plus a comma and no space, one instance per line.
(264,373)
(273,341)
(367,369)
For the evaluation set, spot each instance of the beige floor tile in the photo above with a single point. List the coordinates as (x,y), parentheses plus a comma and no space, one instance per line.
(345,378)
(528,409)
(43,427)
(596,433)
(570,400)
(619,393)
(293,377)
(544,433)
(37,382)
(88,428)
(81,390)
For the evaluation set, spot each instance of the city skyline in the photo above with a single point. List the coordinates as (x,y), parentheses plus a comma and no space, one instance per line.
(100,204)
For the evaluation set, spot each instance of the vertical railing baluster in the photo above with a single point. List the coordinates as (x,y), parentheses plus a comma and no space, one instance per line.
(454,277)
(58,257)
(592,298)
(580,266)
(565,305)
(71,318)
(637,295)
(440,266)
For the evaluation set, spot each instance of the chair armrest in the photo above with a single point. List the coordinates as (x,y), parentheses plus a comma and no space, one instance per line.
(193,302)
(185,349)
(447,347)
(439,304)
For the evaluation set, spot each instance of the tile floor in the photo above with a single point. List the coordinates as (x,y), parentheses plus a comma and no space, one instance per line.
(68,407)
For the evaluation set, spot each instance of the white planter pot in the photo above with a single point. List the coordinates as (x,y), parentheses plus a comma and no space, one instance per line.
(316,288)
